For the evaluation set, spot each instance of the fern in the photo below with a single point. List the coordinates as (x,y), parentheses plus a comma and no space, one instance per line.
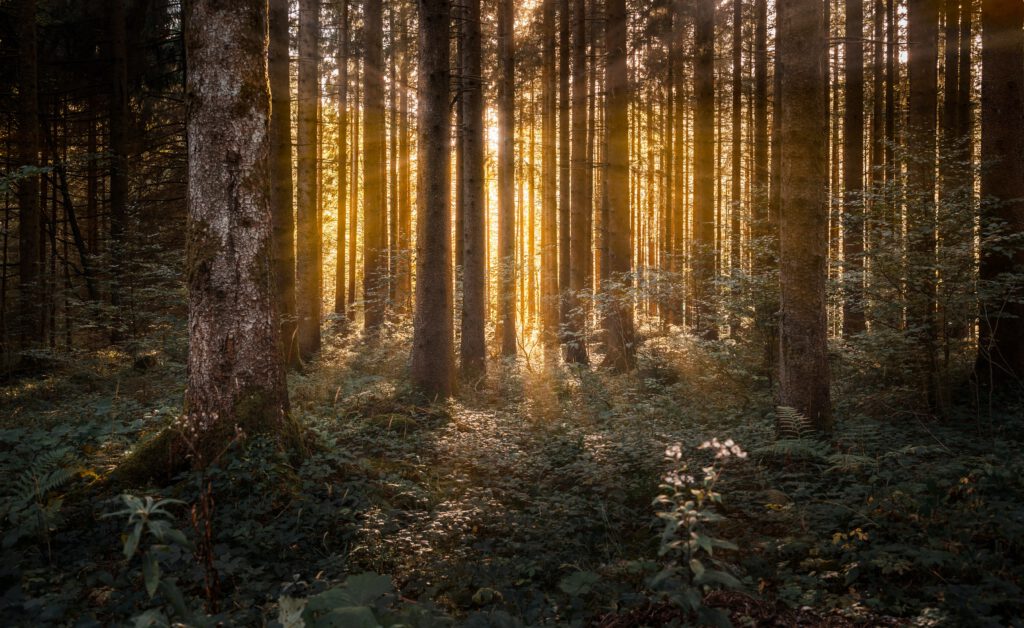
(792,425)
(797,438)
(26,506)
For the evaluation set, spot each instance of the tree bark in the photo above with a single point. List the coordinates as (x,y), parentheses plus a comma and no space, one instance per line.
(703,262)
(619,342)
(1001,345)
(119,159)
(282,210)
(235,376)
(923,24)
(853,171)
(549,301)
(473,349)
(30,220)
(579,261)
(342,163)
(564,170)
(803,366)
(506,178)
(307,231)
(433,354)
(375,292)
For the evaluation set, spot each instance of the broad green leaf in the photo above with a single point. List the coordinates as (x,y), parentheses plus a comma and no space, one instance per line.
(365,588)
(150,573)
(132,542)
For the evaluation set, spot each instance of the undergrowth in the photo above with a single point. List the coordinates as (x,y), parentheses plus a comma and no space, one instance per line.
(535,497)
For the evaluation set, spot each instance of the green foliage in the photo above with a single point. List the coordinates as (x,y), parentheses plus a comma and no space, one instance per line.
(149,519)
(29,507)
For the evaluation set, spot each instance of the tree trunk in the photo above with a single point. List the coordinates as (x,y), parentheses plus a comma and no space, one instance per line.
(564,170)
(30,221)
(433,354)
(374,193)
(506,178)
(307,231)
(1001,345)
(923,23)
(736,158)
(579,261)
(342,163)
(803,365)
(549,207)
(119,159)
(235,375)
(703,263)
(404,279)
(853,171)
(282,211)
(619,341)
(473,350)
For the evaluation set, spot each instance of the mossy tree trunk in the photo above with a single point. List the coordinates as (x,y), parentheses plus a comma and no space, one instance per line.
(235,373)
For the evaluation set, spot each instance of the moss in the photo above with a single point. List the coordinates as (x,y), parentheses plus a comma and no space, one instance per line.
(163,454)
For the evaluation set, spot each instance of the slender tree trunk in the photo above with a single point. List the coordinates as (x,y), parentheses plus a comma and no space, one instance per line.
(803,366)
(736,159)
(342,63)
(404,295)
(29,218)
(374,192)
(473,349)
(235,375)
(392,159)
(119,159)
(923,23)
(679,214)
(579,261)
(353,215)
(704,222)
(282,211)
(620,341)
(549,207)
(433,354)
(564,169)
(853,171)
(1001,345)
(506,178)
(307,231)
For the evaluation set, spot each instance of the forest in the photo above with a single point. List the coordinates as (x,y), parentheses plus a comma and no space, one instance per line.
(507,313)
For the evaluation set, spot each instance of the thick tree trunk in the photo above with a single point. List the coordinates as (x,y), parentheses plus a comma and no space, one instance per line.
(803,364)
(235,376)
(1001,345)
(282,211)
(433,353)
(29,218)
(619,331)
(307,231)
(703,262)
(506,178)
(853,171)
(375,269)
(473,349)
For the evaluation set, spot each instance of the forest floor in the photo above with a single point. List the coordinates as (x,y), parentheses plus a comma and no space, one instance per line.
(529,499)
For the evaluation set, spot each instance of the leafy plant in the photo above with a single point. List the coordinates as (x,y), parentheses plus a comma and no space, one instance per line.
(29,507)
(149,518)
(689,516)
